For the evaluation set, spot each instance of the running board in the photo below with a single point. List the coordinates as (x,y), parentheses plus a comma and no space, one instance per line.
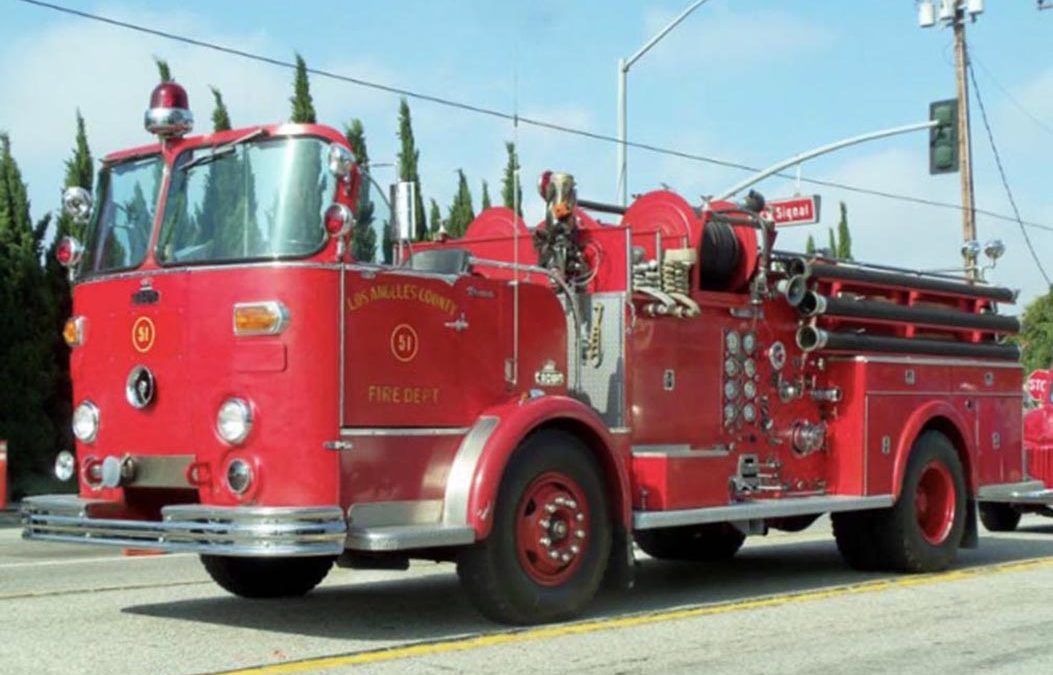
(1027,493)
(758,510)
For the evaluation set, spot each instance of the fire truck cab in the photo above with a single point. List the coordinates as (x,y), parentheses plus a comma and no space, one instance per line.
(525,402)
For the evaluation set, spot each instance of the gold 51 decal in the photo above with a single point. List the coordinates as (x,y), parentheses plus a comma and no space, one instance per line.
(143,334)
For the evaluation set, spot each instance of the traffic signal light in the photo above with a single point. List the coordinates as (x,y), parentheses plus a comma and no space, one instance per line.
(943,138)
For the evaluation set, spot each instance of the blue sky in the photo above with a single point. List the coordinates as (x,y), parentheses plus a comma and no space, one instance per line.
(745,80)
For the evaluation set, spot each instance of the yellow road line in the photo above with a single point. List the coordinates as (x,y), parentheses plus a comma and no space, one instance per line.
(634,620)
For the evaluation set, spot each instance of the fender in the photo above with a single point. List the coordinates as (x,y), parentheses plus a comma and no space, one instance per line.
(913,428)
(475,475)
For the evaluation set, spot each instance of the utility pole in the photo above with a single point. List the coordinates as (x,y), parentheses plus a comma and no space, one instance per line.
(965,152)
(955,13)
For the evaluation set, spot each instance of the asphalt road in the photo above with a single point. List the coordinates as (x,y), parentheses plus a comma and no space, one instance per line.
(786,604)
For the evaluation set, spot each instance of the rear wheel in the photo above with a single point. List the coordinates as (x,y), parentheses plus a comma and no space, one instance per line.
(709,542)
(999,517)
(551,539)
(267,577)
(923,531)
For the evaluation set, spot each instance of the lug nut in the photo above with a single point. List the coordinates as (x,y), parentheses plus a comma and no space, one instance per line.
(570,504)
(551,508)
(580,517)
(580,534)
(544,523)
(565,557)
(575,549)
(560,501)
(554,555)
(545,541)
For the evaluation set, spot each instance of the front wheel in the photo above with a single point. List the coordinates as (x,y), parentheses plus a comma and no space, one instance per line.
(267,577)
(551,538)
(999,517)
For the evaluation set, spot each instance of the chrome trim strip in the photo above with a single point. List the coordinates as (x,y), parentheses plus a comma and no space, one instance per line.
(678,451)
(402,537)
(921,361)
(134,274)
(462,472)
(1003,492)
(620,430)
(162,471)
(236,531)
(383,514)
(770,508)
(404,431)
(970,394)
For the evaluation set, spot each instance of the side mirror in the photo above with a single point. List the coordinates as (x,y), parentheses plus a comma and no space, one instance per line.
(77,202)
(340,161)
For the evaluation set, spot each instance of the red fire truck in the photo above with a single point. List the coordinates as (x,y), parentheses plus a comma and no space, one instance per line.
(525,402)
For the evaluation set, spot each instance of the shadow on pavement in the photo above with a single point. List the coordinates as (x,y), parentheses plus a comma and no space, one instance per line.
(433,607)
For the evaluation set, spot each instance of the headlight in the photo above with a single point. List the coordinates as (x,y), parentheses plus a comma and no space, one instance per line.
(86,422)
(239,476)
(234,421)
(65,465)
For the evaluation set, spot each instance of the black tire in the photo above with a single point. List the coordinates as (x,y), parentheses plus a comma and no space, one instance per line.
(267,577)
(501,576)
(900,540)
(711,542)
(999,517)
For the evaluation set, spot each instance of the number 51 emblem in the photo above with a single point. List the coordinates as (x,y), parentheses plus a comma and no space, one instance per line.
(143,334)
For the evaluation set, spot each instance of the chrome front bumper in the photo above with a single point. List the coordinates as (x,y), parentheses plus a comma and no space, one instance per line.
(236,531)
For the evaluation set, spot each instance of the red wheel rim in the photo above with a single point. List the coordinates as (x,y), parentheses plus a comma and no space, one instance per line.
(552,528)
(935,502)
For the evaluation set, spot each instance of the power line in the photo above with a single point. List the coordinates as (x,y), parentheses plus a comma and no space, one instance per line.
(1012,99)
(514,117)
(1001,172)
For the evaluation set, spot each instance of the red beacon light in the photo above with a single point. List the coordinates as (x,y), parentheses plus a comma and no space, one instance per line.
(69,251)
(169,113)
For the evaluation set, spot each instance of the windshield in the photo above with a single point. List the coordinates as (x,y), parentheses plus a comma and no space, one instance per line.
(124,218)
(256,200)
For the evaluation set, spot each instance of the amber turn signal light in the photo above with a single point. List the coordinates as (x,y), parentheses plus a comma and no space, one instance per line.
(73,331)
(260,318)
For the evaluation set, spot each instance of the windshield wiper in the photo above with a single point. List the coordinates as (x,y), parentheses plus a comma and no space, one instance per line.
(222,150)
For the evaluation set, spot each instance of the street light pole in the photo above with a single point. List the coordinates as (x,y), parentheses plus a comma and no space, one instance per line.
(624,65)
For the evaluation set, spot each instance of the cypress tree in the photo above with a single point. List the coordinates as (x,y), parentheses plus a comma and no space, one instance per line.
(59,406)
(27,370)
(409,158)
(302,103)
(511,190)
(486,197)
(809,246)
(363,237)
(435,220)
(461,211)
(220,116)
(844,237)
(162,69)
(387,245)
(832,242)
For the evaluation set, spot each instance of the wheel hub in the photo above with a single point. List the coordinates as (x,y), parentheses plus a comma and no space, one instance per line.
(552,528)
(935,502)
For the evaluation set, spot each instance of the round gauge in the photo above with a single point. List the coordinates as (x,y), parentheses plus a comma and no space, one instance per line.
(750,368)
(730,412)
(749,342)
(732,342)
(777,355)
(749,413)
(749,390)
(731,389)
(731,367)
